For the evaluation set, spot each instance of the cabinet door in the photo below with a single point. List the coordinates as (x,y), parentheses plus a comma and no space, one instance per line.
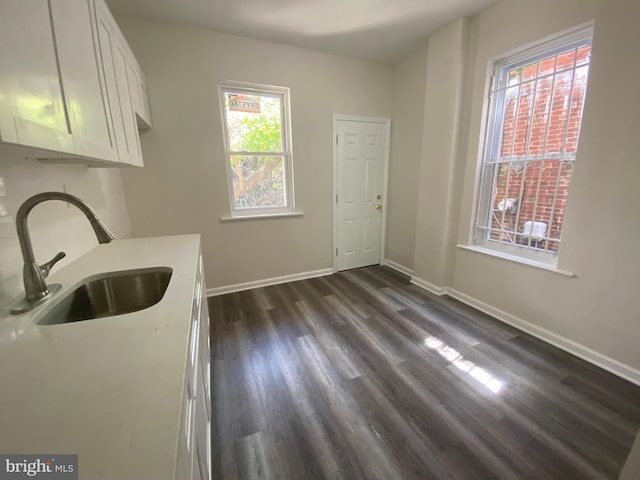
(199,468)
(133,152)
(132,76)
(139,96)
(82,79)
(184,453)
(104,31)
(205,377)
(32,107)
(144,98)
(202,433)
(205,353)
(117,85)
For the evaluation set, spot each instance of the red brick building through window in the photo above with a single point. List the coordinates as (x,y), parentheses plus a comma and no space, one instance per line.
(532,147)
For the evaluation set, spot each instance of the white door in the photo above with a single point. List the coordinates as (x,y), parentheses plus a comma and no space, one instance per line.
(361,151)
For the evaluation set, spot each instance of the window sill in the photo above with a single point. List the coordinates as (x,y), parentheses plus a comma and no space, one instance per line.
(261,216)
(516,259)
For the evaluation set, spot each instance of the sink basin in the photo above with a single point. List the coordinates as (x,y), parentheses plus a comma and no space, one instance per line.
(114,293)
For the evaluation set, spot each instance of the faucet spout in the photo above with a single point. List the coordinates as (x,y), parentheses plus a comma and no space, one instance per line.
(36,289)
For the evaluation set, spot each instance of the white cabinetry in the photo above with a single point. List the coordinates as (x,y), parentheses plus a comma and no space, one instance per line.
(114,55)
(139,96)
(65,91)
(193,459)
(32,107)
(84,89)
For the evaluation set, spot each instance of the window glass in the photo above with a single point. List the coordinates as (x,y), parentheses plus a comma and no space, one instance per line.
(258,157)
(532,139)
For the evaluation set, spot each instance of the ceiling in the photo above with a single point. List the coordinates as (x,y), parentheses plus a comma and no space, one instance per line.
(378,30)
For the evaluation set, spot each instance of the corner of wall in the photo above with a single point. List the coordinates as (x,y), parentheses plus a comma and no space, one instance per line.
(436,216)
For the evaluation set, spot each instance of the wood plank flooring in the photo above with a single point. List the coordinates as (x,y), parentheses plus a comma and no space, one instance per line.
(361,375)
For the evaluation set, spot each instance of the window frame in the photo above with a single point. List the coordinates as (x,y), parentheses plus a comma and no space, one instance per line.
(490,142)
(285,126)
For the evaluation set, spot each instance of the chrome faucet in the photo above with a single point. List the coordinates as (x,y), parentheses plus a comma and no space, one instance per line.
(36,289)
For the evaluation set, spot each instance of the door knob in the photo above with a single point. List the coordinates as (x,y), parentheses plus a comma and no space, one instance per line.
(378,207)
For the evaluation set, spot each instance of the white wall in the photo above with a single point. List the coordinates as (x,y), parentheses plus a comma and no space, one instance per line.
(597,310)
(443,97)
(183,187)
(631,468)
(54,226)
(595,314)
(409,81)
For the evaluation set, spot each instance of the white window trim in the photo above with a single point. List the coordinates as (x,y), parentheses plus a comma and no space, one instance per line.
(517,259)
(547,260)
(284,93)
(264,215)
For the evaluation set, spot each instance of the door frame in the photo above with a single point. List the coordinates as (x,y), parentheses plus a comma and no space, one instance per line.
(385,179)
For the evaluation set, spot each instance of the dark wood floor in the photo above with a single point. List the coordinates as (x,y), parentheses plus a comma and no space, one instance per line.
(360,375)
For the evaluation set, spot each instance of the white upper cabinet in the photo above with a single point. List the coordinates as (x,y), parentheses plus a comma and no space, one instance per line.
(65,91)
(114,56)
(131,150)
(105,57)
(139,96)
(145,110)
(32,107)
(83,81)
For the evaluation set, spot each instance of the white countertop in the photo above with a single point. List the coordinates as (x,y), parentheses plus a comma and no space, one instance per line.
(107,389)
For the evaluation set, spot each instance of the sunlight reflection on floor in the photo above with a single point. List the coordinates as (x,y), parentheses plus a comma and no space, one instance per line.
(481,375)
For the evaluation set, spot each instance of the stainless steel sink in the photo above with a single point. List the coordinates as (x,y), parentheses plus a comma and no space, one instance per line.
(111,294)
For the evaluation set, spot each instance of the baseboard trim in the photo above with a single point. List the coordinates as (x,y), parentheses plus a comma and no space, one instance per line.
(607,363)
(430,287)
(212,292)
(396,266)
(563,343)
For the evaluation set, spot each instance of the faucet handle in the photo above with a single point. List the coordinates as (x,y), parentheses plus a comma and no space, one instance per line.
(44,268)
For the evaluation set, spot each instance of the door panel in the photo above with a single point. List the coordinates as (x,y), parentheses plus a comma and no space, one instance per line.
(370,235)
(370,180)
(360,156)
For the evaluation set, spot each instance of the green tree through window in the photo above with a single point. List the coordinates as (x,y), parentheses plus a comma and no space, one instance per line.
(256,149)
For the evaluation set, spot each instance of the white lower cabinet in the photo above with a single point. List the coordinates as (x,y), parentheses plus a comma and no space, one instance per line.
(193,458)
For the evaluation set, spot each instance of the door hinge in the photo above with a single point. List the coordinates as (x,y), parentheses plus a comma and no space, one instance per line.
(336,198)
(336,252)
(336,139)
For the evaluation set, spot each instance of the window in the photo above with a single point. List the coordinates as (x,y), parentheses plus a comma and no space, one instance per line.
(257,130)
(535,112)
